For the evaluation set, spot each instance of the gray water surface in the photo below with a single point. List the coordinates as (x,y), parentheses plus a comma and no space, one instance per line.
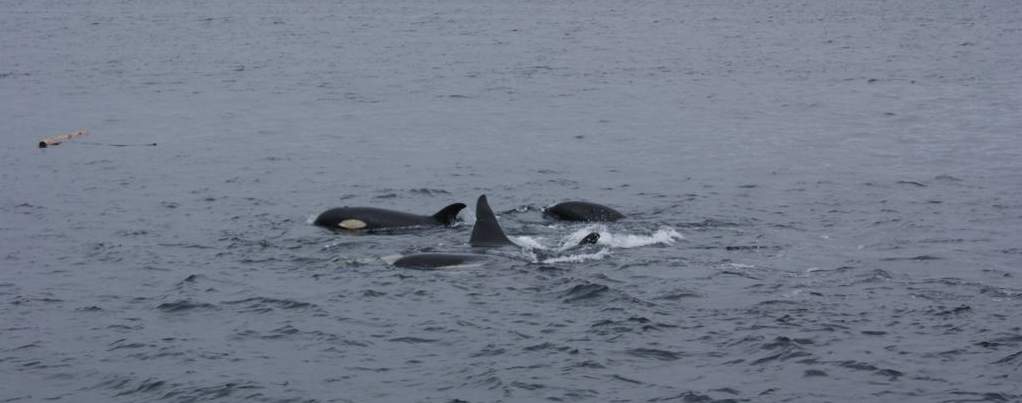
(824,200)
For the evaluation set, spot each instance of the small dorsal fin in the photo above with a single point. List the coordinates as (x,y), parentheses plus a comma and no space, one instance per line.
(447,215)
(487,231)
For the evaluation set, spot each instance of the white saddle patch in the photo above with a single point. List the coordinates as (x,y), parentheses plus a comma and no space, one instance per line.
(352,223)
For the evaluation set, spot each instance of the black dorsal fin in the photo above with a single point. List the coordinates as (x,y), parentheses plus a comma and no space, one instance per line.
(487,231)
(447,215)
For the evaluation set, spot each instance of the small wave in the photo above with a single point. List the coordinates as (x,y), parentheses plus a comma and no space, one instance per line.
(679,294)
(129,386)
(811,373)
(241,390)
(429,191)
(148,385)
(857,365)
(585,291)
(490,351)
(120,344)
(919,258)
(913,183)
(184,305)
(608,327)
(264,304)
(412,340)
(1013,358)
(656,354)
(547,346)
(628,380)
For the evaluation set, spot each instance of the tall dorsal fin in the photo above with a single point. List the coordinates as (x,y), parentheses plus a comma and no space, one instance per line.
(487,231)
(447,215)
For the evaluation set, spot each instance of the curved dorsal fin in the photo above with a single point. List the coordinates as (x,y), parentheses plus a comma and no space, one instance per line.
(487,231)
(447,215)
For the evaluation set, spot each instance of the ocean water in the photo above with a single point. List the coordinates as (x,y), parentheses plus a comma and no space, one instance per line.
(823,200)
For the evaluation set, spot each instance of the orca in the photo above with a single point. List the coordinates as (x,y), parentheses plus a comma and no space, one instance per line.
(368,218)
(440,260)
(486,233)
(582,211)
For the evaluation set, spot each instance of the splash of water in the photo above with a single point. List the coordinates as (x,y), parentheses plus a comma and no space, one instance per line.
(664,235)
(581,257)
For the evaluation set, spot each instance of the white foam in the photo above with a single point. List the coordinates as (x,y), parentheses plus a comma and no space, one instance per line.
(664,235)
(527,242)
(602,253)
(574,238)
(390,259)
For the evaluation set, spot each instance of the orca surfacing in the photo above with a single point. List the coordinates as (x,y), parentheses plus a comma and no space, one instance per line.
(368,218)
(486,233)
(582,211)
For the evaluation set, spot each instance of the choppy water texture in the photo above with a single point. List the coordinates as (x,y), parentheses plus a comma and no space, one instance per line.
(823,200)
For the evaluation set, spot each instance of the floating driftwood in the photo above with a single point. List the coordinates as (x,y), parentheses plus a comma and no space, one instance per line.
(56,140)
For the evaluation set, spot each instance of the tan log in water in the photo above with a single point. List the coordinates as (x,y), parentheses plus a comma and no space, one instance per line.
(55,140)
